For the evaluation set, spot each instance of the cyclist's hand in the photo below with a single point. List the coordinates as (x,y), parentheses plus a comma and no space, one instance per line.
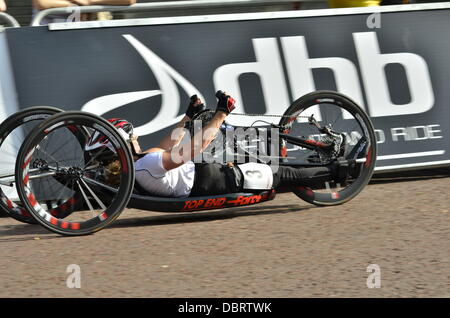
(195,106)
(225,102)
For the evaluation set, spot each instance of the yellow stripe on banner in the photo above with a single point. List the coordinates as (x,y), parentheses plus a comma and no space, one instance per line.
(353,3)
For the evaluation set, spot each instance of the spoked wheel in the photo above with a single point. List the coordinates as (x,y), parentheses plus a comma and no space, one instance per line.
(101,178)
(12,134)
(351,133)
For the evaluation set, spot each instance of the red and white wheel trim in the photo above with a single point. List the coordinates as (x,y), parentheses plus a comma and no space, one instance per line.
(35,204)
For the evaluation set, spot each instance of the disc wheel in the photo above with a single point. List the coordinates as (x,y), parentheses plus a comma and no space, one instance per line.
(101,178)
(12,134)
(354,141)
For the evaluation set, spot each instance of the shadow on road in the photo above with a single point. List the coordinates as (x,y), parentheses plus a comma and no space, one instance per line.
(30,230)
(208,216)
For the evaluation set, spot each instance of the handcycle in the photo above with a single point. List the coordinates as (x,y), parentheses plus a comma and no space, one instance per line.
(56,182)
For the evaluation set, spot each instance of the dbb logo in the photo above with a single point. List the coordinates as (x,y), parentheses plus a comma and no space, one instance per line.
(268,66)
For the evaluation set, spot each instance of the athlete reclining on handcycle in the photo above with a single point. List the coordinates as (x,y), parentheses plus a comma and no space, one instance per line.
(159,174)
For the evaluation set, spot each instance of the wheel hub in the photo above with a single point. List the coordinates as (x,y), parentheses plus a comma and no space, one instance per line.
(40,164)
(73,173)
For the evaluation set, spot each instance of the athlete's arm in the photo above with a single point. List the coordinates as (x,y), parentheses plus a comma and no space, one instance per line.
(174,138)
(176,155)
(47,4)
(187,151)
(180,154)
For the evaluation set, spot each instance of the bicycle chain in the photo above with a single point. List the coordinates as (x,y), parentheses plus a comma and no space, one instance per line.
(264,115)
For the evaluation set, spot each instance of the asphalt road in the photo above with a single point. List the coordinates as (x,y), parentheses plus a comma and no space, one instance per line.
(282,248)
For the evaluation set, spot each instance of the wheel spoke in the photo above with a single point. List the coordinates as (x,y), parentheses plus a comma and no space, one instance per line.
(100,203)
(46,153)
(91,208)
(62,190)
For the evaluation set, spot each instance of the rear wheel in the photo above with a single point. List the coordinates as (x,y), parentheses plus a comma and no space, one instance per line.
(12,134)
(102,179)
(354,142)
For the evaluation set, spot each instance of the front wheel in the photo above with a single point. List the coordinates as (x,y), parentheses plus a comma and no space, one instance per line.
(102,177)
(352,134)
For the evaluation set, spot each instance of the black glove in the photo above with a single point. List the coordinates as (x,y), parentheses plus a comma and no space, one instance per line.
(225,102)
(192,109)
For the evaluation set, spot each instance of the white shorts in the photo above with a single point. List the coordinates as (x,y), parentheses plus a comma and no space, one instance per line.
(154,178)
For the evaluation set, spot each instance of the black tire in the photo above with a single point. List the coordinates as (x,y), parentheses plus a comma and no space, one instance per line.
(357,123)
(12,133)
(76,170)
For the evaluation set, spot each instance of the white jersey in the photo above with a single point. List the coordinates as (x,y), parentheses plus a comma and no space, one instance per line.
(178,182)
(151,175)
